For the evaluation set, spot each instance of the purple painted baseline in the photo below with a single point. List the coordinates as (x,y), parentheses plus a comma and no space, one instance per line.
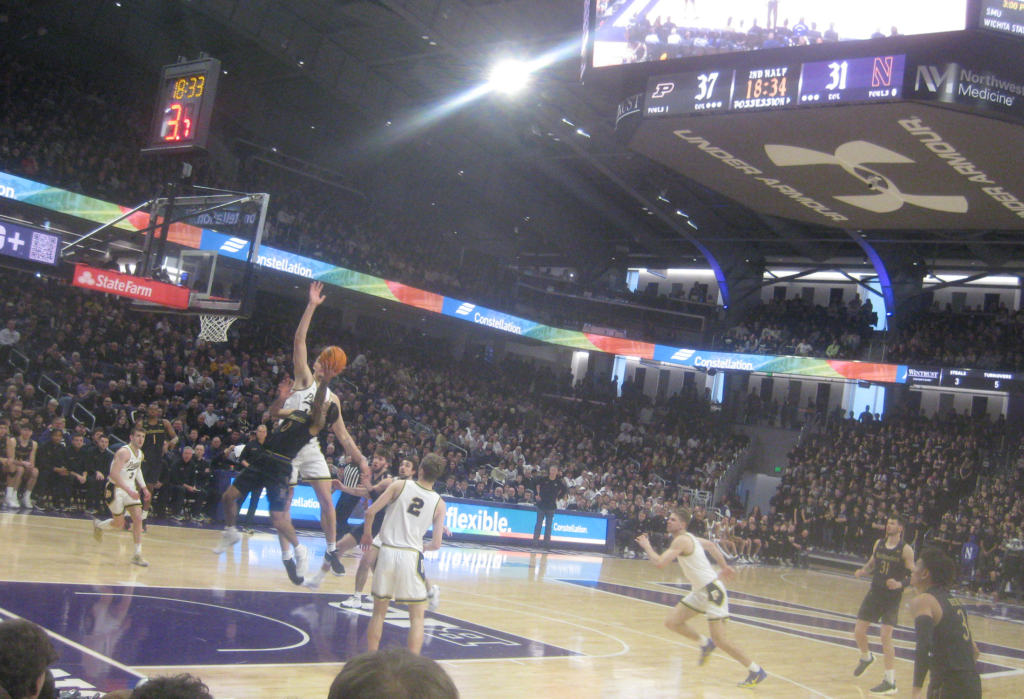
(767,616)
(76,669)
(999,612)
(154,626)
(903,633)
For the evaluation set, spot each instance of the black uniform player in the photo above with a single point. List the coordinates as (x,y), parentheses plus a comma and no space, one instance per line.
(272,470)
(944,642)
(379,481)
(158,431)
(891,561)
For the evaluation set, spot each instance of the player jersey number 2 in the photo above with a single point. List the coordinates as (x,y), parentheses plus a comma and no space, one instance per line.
(415,507)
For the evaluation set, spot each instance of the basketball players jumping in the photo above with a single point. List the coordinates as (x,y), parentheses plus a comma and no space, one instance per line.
(944,642)
(398,573)
(126,490)
(708,596)
(892,561)
(310,463)
(273,467)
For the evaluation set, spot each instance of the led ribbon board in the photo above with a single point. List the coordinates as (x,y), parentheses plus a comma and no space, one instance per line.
(204,239)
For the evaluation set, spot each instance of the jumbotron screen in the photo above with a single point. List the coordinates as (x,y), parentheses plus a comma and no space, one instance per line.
(1003,16)
(638,31)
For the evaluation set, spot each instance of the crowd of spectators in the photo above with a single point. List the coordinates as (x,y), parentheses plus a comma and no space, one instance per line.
(495,424)
(65,131)
(971,338)
(939,475)
(663,39)
(796,327)
(77,134)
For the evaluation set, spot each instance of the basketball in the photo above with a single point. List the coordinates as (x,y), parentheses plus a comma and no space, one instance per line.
(333,358)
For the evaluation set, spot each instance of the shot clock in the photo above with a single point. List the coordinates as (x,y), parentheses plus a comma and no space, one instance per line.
(184,105)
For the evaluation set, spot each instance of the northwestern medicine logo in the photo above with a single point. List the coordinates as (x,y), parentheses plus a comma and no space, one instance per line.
(854,156)
(964,82)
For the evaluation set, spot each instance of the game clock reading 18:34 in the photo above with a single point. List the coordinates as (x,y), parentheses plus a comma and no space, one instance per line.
(765,87)
(184,106)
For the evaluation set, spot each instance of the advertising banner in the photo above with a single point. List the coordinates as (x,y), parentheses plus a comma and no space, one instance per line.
(291,263)
(473,520)
(479,520)
(130,286)
(29,244)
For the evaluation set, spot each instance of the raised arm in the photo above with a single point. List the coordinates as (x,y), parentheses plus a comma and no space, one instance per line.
(284,389)
(303,376)
(318,412)
(348,443)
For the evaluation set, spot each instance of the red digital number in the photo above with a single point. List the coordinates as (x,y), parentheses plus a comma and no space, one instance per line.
(179,125)
(172,125)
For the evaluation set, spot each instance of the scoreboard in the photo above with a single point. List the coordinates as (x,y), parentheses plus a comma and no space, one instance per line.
(983,380)
(1005,16)
(777,85)
(181,122)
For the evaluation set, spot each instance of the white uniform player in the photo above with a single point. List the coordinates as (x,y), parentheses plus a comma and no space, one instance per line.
(309,463)
(126,492)
(398,574)
(709,596)
(118,499)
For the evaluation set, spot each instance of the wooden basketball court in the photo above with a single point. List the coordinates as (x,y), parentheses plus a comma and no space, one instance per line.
(511,623)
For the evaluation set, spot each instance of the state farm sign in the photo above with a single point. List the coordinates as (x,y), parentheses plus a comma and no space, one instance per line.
(132,287)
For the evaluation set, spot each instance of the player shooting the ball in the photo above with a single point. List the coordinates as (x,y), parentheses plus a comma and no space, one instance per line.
(309,463)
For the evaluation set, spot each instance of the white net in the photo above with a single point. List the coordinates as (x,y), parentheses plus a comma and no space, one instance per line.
(215,328)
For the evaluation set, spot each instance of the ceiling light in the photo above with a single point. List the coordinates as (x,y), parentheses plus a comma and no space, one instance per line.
(509,76)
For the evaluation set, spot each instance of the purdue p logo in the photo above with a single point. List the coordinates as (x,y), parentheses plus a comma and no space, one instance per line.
(853,156)
(662,89)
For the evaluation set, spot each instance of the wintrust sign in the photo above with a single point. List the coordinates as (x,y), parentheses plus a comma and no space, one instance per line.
(130,287)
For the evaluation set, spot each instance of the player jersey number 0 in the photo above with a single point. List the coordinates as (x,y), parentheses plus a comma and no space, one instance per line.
(407,521)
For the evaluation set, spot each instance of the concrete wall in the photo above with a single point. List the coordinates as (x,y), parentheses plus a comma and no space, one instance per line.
(998,404)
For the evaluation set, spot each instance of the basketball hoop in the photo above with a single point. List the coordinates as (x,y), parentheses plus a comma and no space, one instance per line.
(215,328)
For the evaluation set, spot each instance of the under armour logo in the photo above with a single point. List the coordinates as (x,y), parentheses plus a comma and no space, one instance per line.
(852,157)
(662,89)
(86,278)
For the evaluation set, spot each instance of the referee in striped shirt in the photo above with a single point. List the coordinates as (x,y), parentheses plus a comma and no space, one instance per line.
(350,480)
